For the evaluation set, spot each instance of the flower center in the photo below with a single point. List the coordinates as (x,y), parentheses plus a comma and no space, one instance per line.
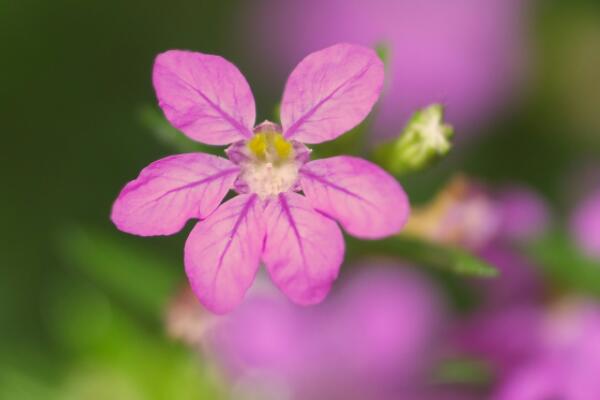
(269,162)
(270,147)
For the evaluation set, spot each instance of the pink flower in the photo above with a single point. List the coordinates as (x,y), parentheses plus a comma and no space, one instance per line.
(294,235)
(568,361)
(491,334)
(519,281)
(469,214)
(374,338)
(524,214)
(585,225)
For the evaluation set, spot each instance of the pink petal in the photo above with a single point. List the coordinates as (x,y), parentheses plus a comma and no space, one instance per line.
(366,200)
(204,96)
(172,190)
(222,253)
(330,92)
(303,249)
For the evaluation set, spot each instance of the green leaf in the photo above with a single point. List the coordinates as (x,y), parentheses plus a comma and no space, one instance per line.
(383,51)
(565,265)
(118,368)
(462,370)
(21,385)
(167,135)
(136,275)
(427,254)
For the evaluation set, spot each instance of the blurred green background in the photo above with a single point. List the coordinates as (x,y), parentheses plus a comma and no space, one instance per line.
(75,76)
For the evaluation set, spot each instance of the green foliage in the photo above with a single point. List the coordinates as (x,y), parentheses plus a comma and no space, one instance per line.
(103,321)
(136,275)
(383,51)
(462,370)
(427,254)
(16,384)
(565,265)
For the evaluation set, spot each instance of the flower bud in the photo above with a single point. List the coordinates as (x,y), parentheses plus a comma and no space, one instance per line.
(425,139)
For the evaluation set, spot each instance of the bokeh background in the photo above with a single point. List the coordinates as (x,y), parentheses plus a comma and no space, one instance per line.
(87,312)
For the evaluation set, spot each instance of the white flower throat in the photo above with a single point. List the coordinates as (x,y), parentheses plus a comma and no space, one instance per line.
(269,163)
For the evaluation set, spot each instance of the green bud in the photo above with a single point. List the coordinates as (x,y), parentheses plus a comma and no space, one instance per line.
(425,139)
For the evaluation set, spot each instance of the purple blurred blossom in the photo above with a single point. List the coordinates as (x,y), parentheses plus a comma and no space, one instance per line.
(505,328)
(585,224)
(568,362)
(373,338)
(465,54)
(461,214)
(539,353)
(503,337)
(518,281)
(469,214)
(524,213)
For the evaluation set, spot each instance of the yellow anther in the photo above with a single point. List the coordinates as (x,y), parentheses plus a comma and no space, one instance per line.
(258,145)
(270,146)
(282,146)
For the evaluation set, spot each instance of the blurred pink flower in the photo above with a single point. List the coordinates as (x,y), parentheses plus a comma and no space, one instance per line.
(504,337)
(294,235)
(505,327)
(585,224)
(374,338)
(468,214)
(518,282)
(568,361)
(465,54)
(524,214)
(461,214)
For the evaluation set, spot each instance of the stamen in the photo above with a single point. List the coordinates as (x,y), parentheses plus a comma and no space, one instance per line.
(282,146)
(270,146)
(258,145)
(269,163)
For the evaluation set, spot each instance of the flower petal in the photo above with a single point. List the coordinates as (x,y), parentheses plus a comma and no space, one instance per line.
(303,249)
(172,190)
(330,92)
(222,253)
(366,200)
(205,96)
